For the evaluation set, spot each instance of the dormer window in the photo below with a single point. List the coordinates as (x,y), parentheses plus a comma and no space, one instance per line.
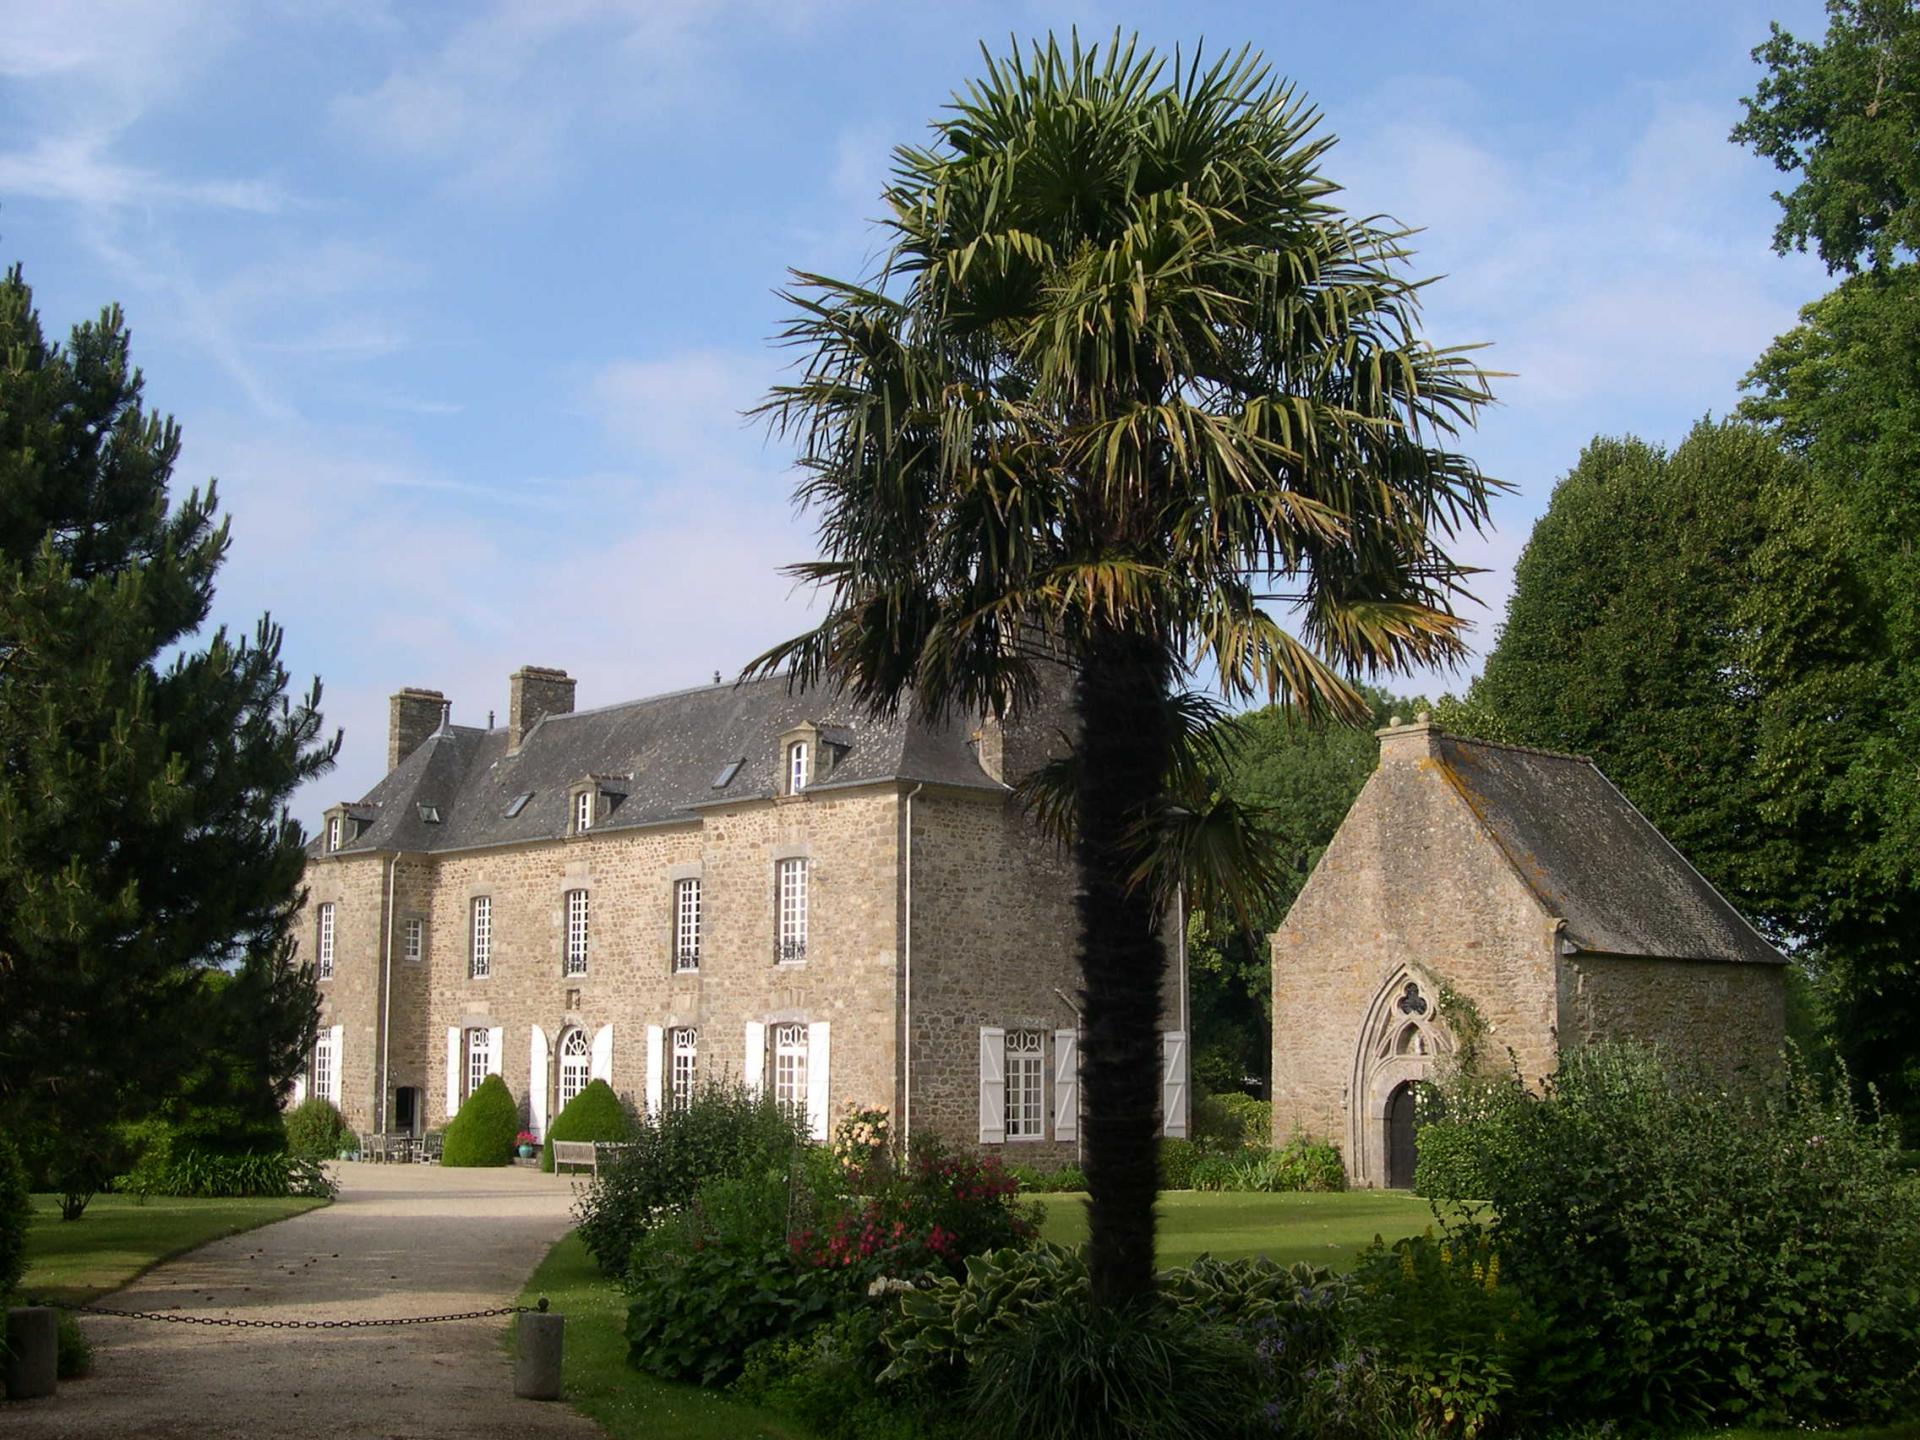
(583,812)
(333,833)
(799,766)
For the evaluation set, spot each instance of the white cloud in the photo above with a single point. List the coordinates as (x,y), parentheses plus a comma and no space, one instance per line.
(76,168)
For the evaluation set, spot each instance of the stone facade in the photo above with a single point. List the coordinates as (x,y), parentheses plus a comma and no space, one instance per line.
(1523,885)
(939,924)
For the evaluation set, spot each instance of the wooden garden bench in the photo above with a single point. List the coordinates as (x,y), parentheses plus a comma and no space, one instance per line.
(576,1152)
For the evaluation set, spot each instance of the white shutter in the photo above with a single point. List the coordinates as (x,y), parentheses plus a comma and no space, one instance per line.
(339,1059)
(539,1082)
(656,1046)
(993,1085)
(496,1047)
(1173,1085)
(819,1042)
(600,1058)
(1066,1084)
(453,1071)
(753,1072)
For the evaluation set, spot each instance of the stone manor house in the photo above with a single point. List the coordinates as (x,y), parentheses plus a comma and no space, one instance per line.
(1520,889)
(733,881)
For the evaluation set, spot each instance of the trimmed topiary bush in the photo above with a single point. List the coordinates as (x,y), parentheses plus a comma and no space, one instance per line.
(483,1132)
(594,1114)
(1176,1164)
(13,1220)
(316,1130)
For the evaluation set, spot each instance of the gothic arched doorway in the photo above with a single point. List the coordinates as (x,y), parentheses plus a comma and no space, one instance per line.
(1400,1142)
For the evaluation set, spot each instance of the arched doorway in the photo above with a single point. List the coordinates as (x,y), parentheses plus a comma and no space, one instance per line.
(1401,1043)
(576,1061)
(1401,1153)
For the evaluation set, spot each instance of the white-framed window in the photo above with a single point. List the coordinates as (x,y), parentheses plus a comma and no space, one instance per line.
(576,1065)
(333,832)
(323,1063)
(479,1058)
(323,967)
(480,932)
(1026,1084)
(684,1048)
(583,812)
(790,1064)
(791,891)
(413,939)
(799,770)
(686,924)
(576,963)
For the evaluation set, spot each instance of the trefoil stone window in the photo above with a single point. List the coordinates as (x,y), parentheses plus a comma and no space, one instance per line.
(323,967)
(686,925)
(790,1065)
(480,953)
(576,962)
(576,1064)
(791,888)
(1026,1084)
(684,1046)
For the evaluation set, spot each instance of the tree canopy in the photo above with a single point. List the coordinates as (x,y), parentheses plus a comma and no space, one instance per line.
(144,837)
(1128,389)
(1843,116)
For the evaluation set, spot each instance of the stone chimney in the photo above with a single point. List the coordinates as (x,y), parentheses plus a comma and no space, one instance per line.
(1013,748)
(412,716)
(1404,744)
(534,691)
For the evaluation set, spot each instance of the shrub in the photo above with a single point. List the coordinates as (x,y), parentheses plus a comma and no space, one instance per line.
(1242,1292)
(923,1217)
(14,1214)
(315,1129)
(483,1132)
(1214,1127)
(1754,1259)
(723,1131)
(825,1380)
(1300,1165)
(1460,1351)
(1255,1116)
(594,1114)
(1176,1164)
(1075,1371)
(170,1168)
(73,1352)
(694,1315)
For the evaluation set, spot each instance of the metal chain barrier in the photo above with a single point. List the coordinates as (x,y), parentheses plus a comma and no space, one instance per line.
(238,1323)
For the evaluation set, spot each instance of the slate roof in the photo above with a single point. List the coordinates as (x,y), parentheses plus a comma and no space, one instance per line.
(1593,859)
(657,758)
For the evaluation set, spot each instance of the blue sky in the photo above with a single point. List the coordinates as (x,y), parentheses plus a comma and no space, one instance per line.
(461,303)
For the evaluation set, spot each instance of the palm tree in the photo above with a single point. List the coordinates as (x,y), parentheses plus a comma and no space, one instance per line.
(1127,391)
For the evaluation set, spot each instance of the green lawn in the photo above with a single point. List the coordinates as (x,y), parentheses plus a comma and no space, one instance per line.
(599,1383)
(118,1239)
(1324,1229)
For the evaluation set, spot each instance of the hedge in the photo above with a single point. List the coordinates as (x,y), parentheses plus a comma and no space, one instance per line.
(484,1131)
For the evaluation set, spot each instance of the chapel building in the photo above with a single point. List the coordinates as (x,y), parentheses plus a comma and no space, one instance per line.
(738,881)
(1548,909)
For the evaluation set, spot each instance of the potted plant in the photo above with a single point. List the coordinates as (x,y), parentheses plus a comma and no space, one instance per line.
(525,1145)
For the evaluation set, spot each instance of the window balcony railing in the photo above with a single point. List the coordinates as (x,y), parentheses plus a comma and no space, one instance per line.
(788,952)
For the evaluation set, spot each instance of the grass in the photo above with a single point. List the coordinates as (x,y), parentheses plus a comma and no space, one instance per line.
(118,1239)
(1327,1230)
(598,1382)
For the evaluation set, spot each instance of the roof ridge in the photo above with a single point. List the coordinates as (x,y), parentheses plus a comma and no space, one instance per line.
(1518,749)
(639,700)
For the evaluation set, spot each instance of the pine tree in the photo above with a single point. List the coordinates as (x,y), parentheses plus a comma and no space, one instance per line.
(145,843)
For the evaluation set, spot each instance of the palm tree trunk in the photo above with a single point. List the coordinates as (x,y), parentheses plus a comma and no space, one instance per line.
(1119,700)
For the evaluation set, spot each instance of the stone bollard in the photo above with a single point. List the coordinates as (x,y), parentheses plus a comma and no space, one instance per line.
(539,1339)
(33,1352)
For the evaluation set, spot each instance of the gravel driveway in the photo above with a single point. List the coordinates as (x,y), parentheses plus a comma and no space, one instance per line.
(401,1240)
